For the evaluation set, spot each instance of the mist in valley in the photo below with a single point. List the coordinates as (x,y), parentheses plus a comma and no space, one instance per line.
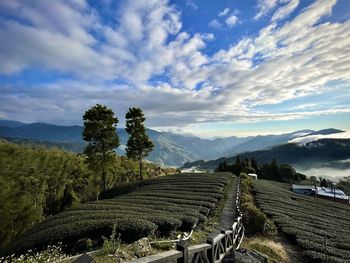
(333,170)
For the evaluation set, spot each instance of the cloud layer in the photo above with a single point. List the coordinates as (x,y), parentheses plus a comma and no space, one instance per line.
(141,55)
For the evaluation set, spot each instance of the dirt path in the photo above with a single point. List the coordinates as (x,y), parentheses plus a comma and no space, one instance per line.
(292,250)
(228,214)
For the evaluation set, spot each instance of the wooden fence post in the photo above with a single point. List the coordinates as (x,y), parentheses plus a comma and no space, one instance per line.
(211,251)
(182,246)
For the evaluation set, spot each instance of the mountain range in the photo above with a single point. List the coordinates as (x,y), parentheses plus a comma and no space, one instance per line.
(321,153)
(170,149)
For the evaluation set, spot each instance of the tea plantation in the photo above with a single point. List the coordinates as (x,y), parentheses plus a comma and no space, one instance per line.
(152,207)
(320,227)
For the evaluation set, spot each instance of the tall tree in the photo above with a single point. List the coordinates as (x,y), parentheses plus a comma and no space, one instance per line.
(100,133)
(254,164)
(237,167)
(139,145)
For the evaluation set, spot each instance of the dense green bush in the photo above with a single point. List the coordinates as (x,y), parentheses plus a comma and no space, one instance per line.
(130,229)
(121,189)
(36,183)
(254,220)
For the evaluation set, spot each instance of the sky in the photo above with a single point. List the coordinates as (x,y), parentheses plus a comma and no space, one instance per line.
(209,68)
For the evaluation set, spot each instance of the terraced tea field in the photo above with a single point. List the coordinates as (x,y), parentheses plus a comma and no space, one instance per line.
(156,207)
(320,227)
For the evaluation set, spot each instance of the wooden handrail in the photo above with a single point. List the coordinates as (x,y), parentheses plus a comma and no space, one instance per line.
(198,248)
(166,256)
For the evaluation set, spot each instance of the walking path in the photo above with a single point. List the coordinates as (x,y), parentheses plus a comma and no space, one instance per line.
(228,215)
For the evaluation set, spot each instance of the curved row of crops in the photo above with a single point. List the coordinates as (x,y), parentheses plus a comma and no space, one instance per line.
(155,207)
(321,227)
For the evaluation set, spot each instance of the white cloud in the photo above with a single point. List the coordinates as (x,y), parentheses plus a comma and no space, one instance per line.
(215,24)
(191,4)
(285,10)
(63,37)
(311,138)
(264,7)
(232,20)
(295,60)
(224,12)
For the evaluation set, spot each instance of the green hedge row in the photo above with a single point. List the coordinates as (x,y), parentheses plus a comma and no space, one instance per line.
(128,207)
(176,192)
(154,200)
(131,229)
(311,221)
(161,195)
(111,204)
(168,221)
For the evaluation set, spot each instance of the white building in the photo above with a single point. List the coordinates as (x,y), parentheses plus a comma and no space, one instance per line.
(254,176)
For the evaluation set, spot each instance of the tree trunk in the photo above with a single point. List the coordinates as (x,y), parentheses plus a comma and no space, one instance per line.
(103,167)
(140,164)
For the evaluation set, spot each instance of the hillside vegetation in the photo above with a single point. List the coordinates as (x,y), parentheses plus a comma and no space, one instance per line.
(37,182)
(158,207)
(320,227)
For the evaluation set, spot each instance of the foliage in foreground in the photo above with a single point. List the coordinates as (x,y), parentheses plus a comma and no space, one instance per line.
(160,206)
(321,227)
(50,254)
(36,183)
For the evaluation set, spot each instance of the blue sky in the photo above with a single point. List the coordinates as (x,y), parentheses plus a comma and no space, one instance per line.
(210,68)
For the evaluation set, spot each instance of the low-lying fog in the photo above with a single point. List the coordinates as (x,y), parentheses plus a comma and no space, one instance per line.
(328,173)
(333,171)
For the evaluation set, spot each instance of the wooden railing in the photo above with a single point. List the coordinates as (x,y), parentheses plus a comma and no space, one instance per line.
(213,251)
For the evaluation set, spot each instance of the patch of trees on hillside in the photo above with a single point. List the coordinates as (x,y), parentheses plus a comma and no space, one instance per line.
(271,171)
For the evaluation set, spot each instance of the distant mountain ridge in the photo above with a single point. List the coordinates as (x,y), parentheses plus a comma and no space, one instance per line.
(261,142)
(170,149)
(324,148)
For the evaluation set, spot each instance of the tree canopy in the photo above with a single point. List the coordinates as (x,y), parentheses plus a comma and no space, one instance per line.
(272,171)
(100,133)
(139,144)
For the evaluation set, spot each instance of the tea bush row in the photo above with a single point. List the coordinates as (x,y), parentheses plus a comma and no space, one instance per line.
(153,207)
(320,227)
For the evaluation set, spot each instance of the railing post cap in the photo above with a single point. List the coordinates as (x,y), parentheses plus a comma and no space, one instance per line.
(210,240)
(181,244)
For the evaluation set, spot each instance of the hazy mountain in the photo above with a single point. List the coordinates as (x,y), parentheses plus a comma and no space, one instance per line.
(170,149)
(262,142)
(11,124)
(67,146)
(312,154)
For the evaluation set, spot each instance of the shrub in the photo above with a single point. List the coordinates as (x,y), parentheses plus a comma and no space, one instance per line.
(130,229)
(254,220)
